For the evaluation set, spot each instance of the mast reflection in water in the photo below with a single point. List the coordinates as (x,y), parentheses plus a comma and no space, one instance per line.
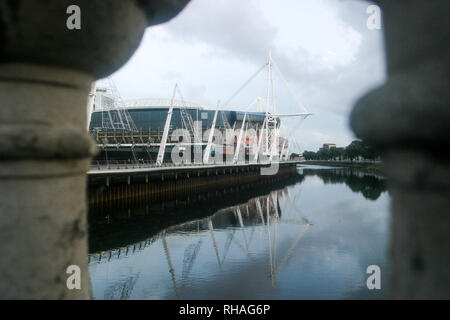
(311,238)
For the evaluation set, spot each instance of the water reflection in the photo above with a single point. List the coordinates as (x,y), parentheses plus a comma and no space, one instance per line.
(311,238)
(370,185)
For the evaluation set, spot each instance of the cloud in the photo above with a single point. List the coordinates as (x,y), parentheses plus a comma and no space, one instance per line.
(232,27)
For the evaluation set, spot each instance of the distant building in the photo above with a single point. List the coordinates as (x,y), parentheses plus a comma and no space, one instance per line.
(328,146)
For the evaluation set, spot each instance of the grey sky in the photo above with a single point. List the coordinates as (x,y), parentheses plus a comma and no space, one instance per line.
(322,47)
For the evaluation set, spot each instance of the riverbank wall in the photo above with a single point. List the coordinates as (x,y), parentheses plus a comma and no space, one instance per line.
(121,190)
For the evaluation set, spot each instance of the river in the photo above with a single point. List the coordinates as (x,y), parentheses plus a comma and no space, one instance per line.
(310,237)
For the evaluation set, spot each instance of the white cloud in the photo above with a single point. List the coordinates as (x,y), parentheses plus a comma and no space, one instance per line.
(232,27)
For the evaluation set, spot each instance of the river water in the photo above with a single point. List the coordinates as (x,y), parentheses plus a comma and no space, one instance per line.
(311,237)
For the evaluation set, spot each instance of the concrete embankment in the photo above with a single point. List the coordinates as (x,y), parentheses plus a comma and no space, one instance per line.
(157,187)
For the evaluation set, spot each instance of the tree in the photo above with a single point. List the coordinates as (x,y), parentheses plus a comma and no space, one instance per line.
(309,155)
(354,149)
(323,154)
(370,152)
(339,153)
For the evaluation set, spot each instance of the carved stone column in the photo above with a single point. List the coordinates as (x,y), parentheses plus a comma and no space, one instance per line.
(45,75)
(408,118)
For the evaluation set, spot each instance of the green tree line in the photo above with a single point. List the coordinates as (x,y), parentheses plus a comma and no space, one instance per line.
(354,150)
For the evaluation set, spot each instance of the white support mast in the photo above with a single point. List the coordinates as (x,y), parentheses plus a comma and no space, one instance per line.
(269,75)
(261,133)
(286,154)
(118,105)
(162,145)
(210,137)
(282,149)
(271,121)
(90,103)
(268,143)
(274,143)
(238,145)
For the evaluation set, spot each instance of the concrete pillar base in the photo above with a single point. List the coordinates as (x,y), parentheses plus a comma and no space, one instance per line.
(45,154)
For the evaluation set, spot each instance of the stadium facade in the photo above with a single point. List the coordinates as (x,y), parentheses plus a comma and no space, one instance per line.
(134,129)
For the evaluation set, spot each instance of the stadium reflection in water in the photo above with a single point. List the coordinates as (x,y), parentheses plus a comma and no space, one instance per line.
(311,238)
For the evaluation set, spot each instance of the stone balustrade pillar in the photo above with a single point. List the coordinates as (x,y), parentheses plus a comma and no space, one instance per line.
(408,119)
(46,71)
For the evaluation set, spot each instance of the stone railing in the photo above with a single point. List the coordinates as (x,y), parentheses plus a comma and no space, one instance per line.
(46,69)
(408,118)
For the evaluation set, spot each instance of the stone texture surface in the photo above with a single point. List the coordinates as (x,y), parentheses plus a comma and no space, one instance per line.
(42,181)
(410,109)
(161,11)
(420,189)
(408,118)
(45,75)
(43,231)
(110,31)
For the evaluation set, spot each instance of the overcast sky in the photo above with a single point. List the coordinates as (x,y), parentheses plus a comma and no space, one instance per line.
(323,48)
